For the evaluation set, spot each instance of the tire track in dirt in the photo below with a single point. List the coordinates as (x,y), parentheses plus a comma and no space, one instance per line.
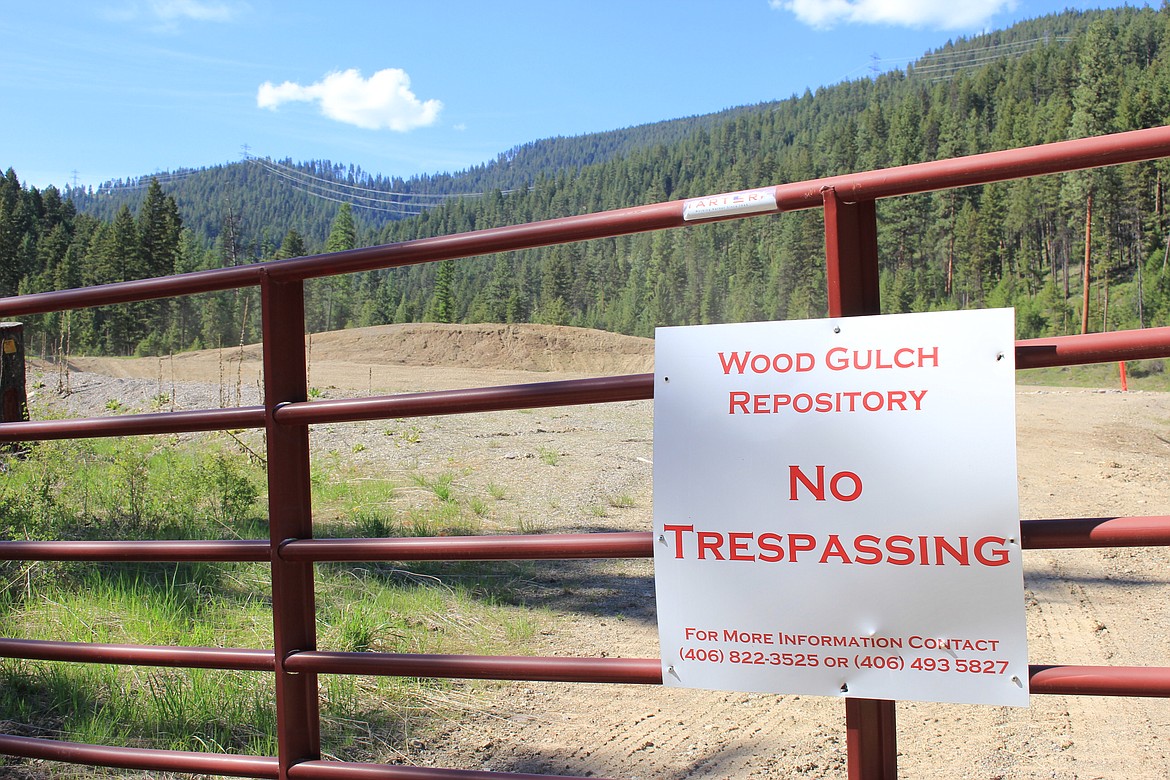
(1105,459)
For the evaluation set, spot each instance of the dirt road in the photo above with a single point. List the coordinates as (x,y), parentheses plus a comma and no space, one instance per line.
(1081,454)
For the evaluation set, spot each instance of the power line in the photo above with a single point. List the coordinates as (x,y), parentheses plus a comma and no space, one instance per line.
(387,205)
(952,62)
(333,183)
(387,201)
(369,198)
(143,182)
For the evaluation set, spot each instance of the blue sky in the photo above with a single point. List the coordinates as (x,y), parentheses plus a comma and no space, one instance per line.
(111,89)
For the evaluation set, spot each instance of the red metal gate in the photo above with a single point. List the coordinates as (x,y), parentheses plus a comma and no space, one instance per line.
(851,247)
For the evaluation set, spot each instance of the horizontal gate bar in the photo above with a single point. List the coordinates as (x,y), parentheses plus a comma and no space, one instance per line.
(224,551)
(1093,348)
(1101,680)
(983,168)
(627,544)
(609,389)
(336,770)
(1035,535)
(1085,532)
(235,659)
(135,424)
(639,671)
(139,758)
(138,290)
(1048,679)
(1049,534)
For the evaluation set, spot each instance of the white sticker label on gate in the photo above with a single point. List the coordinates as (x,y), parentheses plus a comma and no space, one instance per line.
(835,508)
(745,202)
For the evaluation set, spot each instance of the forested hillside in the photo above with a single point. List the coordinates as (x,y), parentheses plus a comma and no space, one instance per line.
(1017,243)
(257,201)
(250,204)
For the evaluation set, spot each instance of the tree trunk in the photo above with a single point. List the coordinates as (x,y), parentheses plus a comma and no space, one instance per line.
(12,393)
(1088,276)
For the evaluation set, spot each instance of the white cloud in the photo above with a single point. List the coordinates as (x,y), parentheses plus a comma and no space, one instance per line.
(166,15)
(197,10)
(383,101)
(938,14)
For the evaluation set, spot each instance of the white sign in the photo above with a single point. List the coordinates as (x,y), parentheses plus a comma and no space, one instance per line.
(835,508)
(744,202)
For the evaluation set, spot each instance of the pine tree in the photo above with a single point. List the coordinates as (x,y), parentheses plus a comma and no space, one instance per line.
(329,300)
(159,227)
(14,226)
(342,233)
(442,308)
(293,245)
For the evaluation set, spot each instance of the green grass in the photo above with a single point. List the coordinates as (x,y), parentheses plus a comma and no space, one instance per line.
(341,490)
(176,709)
(159,488)
(156,604)
(111,488)
(1142,375)
(403,433)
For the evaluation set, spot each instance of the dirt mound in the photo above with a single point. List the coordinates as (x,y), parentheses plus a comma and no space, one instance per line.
(367,351)
(508,347)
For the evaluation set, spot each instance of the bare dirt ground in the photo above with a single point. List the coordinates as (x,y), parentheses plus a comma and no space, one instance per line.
(1082,453)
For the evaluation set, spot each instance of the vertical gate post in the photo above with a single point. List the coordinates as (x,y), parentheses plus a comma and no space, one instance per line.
(14,406)
(851,256)
(852,280)
(871,738)
(298,731)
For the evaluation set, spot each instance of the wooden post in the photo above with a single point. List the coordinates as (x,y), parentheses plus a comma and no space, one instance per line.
(13,399)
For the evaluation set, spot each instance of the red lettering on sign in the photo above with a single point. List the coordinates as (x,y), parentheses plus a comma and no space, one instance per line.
(864,549)
(837,486)
(710,542)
